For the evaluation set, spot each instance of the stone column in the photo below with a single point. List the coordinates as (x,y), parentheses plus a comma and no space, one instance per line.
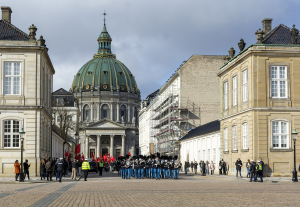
(128,108)
(87,139)
(118,113)
(98,112)
(92,113)
(111,112)
(98,146)
(123,145)
(111,145)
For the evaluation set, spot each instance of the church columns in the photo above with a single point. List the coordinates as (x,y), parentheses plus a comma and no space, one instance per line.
(87,140)
(98,110)
(123,145)
(118,111)
(111,145)
(111,112)
(92,114)
(98,146)
(129,113)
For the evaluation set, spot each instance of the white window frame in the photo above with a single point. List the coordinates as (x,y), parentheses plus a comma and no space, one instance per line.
(11,133)
(234,137)
(226,139)
(277,80)
(245,85)
(226,95)
(12,78)
(234,91)
(280,134)
(245,135)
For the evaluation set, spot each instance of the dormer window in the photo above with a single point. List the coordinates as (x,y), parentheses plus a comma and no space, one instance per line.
(89,72)
(120,73)
(105,72)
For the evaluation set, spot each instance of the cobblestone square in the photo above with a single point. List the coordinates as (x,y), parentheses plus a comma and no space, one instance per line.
(189,190)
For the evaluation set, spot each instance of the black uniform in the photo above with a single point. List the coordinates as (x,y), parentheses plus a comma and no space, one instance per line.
(60,169)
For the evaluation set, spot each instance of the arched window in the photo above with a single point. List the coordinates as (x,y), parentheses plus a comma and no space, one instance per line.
(104,111)
(86,113)
(123,113)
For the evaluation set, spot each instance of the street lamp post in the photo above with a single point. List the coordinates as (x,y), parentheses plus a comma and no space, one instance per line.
(294,136)
(22,134)
(76,138)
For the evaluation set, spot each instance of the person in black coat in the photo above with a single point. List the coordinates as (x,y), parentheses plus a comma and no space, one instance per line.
(238,165)
(42,169)
(252,170)
(60,168)
(203,169)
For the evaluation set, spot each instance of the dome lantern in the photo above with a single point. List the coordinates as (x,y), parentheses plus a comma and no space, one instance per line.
(104,40)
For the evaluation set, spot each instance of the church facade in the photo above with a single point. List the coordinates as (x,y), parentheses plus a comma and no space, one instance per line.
(108,98)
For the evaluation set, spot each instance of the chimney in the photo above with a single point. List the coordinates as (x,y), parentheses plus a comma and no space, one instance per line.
(6,13)
(267,25)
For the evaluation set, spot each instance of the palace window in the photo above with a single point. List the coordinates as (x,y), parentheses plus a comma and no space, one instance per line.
(12,78)
(280,134)
(11,134)
(234,91)
(245,86)
(245,136)
(69,118)
(226,95)
(234,138)
(58,118)
(225,139)
(279,82)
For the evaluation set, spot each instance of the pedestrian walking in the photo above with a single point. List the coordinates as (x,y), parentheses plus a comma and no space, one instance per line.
(238,165)
(259,170)
(26,169)
(252,171)
(185,167)
(263,166)
(200,165)
(203,168)
(17,169)
(248,164)
(195,166)
(85,167)
(65,167)
(74,169)
(224,167)
(192,166)
(79,167)
(49,169)
(60,168)
(220,167)
(212,168)
(43,169)
(101,164)
(207,167)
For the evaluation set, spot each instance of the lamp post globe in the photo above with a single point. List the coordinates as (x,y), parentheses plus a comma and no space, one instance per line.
(294,136)
(22,135)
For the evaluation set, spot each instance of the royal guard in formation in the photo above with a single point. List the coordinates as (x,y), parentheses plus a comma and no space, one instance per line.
(154,166)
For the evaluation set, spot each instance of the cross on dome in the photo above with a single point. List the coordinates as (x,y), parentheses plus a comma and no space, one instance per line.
(104,14)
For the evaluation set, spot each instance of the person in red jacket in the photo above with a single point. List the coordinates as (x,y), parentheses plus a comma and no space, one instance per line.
(17,169)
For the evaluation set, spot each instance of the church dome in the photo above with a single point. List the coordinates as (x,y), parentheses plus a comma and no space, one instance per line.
(104,72)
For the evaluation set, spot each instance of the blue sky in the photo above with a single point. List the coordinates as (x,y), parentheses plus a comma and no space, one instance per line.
(152,38)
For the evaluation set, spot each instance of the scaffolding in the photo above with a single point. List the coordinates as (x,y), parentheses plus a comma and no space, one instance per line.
(170,119)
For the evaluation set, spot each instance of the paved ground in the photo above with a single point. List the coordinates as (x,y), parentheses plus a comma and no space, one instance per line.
(189,190)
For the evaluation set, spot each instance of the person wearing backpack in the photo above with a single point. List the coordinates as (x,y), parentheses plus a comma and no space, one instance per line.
(259,171)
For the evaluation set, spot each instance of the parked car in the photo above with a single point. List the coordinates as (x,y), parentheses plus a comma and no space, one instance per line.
(94,167)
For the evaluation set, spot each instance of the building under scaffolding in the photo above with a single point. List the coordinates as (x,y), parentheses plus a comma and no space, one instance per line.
(188,99)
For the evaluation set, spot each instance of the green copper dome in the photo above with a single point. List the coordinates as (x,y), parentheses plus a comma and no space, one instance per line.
(104,72)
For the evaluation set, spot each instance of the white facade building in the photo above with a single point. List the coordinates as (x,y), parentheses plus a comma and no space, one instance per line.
(201,143)
(26,75)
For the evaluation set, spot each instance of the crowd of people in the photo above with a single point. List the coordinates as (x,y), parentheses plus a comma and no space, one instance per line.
(254,169)
(205,167)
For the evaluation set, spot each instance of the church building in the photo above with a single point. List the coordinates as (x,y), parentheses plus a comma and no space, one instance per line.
(108,98)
